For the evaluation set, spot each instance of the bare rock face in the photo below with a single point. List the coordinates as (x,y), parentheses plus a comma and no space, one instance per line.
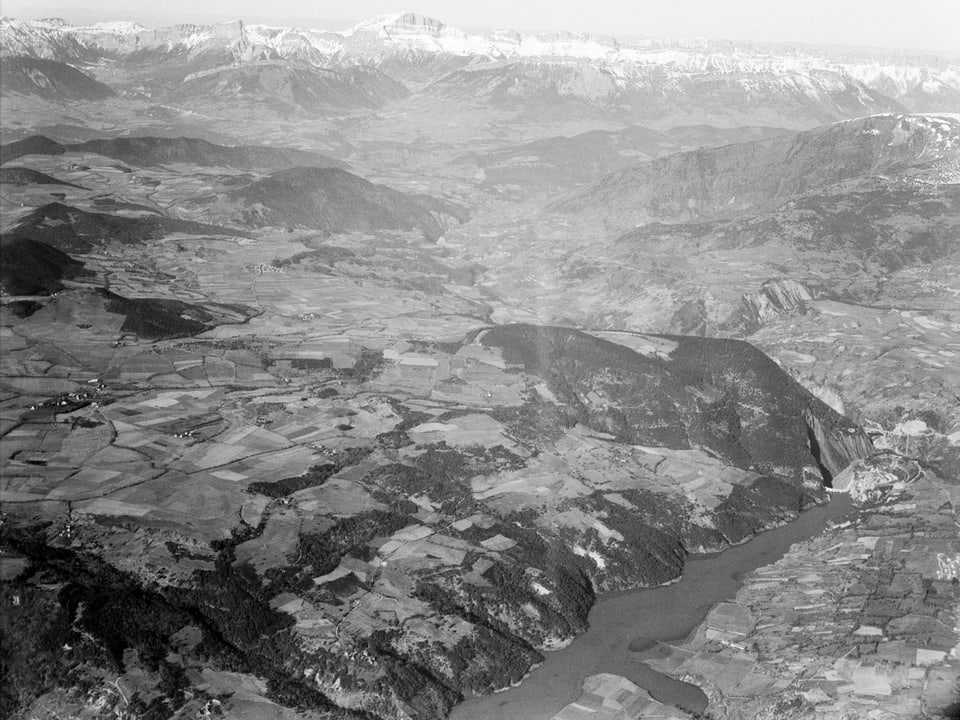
(774,298)
(229,34)
(835,447)
(830,395)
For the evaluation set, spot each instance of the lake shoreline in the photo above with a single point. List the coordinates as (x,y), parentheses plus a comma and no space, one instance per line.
(625,623)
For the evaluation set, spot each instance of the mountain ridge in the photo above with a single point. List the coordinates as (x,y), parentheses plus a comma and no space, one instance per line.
(716,182)
(415,39)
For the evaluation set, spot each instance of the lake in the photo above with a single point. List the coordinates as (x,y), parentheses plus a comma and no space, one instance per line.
(623,623)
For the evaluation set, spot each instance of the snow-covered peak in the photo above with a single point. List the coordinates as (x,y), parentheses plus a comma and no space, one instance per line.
(409,23)
(315,46)
(374,24)
(576,45)
(406,33)
(48,39)
(116,27)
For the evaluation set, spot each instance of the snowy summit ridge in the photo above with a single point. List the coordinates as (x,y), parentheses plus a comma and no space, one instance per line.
(410,37)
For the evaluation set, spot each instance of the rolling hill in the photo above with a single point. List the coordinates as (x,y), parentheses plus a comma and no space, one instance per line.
(71,229)
(30,267)
(721,395)
(334,200)
(152,151)
(28,176)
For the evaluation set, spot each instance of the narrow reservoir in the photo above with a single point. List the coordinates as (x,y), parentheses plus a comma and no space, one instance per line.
(625,623)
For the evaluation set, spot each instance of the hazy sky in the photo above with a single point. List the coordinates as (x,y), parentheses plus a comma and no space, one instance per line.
(915,24)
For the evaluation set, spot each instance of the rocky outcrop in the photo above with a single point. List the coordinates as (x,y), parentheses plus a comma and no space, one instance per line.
(830,395)
(197,38)
(775,297)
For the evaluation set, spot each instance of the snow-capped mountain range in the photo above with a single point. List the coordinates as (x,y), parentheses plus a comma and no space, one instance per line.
(416,41)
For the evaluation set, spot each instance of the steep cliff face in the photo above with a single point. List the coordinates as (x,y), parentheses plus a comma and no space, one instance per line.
(835,447)
(128,38)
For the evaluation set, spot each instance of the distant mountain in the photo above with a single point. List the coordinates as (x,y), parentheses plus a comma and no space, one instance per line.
(187,63)
(922,85)
(35,268)
(406,35)
(284,87)
(49,79)
(564,161)
(723,181)
(45,39)
(662,95)
(71,229)
(931,95)
(57,40)
(152,151)
(334,200)
(721,83)
(697,136)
